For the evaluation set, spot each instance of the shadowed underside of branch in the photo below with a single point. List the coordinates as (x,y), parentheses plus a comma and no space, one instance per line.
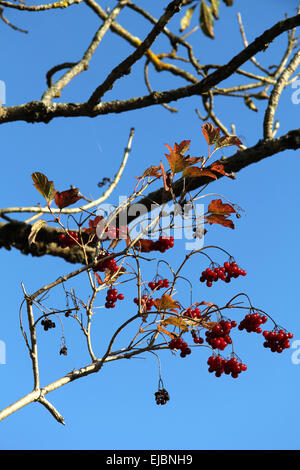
(15,235)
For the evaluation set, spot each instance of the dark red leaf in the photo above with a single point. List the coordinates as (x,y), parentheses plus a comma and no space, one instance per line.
(66,198)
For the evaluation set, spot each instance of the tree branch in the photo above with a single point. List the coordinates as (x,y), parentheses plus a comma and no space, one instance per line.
(37,395)
(15,234)
(37,111)
(126,64)
(241,159)
(275,95)
(77,68)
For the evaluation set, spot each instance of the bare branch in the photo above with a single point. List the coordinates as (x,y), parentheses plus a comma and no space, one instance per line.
(59,418)
(275,95)
(126,64)
(243,34)
(90,205)
(5,20)
(33,348)
(76,69)
(74,375)
(37,111)
(38,8)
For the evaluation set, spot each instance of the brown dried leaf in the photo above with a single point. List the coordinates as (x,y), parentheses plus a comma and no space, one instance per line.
(206,20)
(93,225)
(176,321)
(219,168)
(166,303)
(112,276)
(66,198)
(182,147)
(43,185)
(175,158)
(151,171)
(216,206)
(227,140)
(186,19)
(193,172)
(215,8)
(219,219)
(36,227)
(211,133)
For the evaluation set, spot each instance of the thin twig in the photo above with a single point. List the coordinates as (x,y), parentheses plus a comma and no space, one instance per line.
(76,69)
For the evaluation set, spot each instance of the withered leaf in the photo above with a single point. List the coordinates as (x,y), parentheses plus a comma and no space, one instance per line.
(34,230)
(186,19)
(43,185)
(215,8)
(176,321)
(216,206)
(183,147)
(177,161)
(193,172)
(176,158)
(219,168)
(227,140)
(206,20)
(151,171)
(211,133)
(166,303)
(112,276)
(66,198)
(219,219)
(93,225)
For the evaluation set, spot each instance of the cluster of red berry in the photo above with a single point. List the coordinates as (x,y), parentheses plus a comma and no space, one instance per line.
(225,273)
(178,343)
(161,284)
(218,336)
(192,313)
(107,264)
(197,339)
(111,297)
(252,322)
(162,244)
(66,240)
(277,340)
(231,366)
(146,302)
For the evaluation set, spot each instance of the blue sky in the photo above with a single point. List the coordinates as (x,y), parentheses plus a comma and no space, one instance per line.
(115,409)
